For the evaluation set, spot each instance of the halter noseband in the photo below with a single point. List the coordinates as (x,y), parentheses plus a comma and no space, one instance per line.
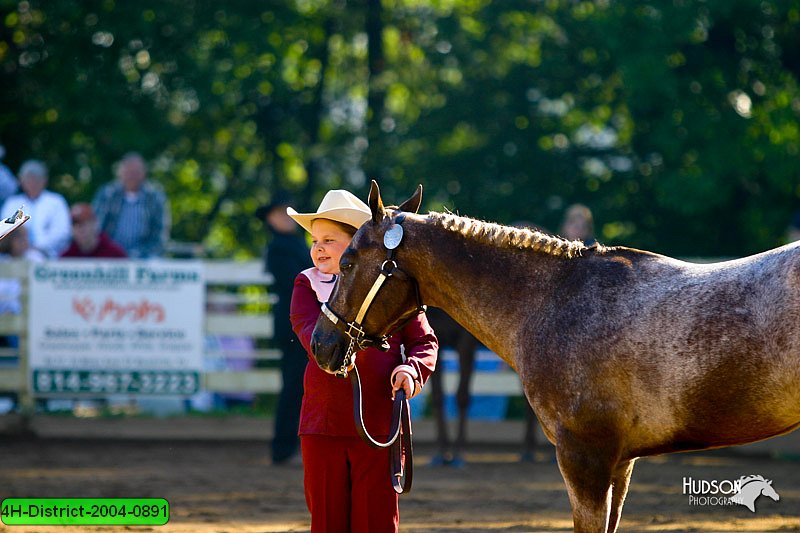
(354,330)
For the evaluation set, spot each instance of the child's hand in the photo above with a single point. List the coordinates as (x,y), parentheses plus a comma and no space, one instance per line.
(403,380)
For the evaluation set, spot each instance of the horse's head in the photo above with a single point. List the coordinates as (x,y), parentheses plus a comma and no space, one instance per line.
(769,491)
(373,295)
(751,487)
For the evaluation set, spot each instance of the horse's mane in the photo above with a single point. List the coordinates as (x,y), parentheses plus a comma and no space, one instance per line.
(507,236)
(744,480)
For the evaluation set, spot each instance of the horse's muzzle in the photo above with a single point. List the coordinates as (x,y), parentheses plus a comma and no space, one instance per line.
(328,345)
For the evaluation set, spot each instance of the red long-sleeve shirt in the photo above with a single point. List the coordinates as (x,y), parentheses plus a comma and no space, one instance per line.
(328,400)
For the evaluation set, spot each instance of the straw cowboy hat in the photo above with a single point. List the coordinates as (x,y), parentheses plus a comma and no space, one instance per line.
(338,205)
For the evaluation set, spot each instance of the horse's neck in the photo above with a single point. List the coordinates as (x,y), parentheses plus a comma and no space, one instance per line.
(751,490)
(490,291)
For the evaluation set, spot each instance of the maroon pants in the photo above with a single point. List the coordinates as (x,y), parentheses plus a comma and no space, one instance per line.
(347,485)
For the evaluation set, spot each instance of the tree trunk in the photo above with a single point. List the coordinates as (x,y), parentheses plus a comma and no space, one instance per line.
(375,91)
(315,119)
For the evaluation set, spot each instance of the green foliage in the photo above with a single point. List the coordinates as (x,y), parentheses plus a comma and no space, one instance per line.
(676,122)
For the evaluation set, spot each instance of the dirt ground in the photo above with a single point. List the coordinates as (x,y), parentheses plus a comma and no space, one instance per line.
(230,486)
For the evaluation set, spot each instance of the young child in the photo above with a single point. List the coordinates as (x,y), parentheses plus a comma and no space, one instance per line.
(347,483)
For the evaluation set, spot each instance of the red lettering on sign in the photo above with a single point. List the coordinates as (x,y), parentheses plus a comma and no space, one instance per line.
(111,310)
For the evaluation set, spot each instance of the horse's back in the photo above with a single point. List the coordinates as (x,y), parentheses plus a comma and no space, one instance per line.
(695,351)
(757,289)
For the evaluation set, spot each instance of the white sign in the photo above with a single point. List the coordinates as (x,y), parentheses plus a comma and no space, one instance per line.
(116,326)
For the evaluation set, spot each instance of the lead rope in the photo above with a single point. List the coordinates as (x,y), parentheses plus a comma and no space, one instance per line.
(399,443)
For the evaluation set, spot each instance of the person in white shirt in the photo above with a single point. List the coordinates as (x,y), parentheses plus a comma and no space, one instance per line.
(49,228)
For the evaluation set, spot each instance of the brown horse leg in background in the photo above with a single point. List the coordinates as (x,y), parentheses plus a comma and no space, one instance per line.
(529,442)
(444,455)
(467,346)
(450,333)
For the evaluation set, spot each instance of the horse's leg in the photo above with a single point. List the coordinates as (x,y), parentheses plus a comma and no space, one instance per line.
(529,444)
(437,403)
(588,466)
(619,488)
(466,364)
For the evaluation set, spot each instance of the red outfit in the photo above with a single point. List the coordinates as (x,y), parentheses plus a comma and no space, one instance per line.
(347,482)
(105,248)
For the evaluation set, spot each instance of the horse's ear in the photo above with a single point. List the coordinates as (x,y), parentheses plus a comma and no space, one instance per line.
(375,203)
(412,204)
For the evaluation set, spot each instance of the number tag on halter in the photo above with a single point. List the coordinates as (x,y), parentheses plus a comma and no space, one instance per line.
(393,236)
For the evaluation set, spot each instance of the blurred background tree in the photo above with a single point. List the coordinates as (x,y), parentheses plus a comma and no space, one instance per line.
(675,122)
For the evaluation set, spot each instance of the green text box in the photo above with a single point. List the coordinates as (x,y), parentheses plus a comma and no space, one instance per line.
(84,511)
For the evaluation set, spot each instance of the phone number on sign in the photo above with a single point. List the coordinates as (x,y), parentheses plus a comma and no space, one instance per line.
(116,381)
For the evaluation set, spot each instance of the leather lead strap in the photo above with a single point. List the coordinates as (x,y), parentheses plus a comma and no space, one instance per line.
(401,453)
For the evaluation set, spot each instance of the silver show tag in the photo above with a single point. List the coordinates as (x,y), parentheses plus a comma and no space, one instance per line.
(393,236)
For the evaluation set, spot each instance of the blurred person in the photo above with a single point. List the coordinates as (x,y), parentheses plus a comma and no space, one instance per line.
(17,245)
(49,227)
(8,183)
(133,211)
(285,256)
(578,224)
(87,239)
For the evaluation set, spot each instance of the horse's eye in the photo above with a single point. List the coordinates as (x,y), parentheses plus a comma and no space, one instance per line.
(345,266)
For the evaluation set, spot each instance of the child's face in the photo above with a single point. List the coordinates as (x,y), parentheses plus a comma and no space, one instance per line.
(329,242)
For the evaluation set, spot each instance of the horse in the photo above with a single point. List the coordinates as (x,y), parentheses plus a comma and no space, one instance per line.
(751,488)
(451,453)
(622,353)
